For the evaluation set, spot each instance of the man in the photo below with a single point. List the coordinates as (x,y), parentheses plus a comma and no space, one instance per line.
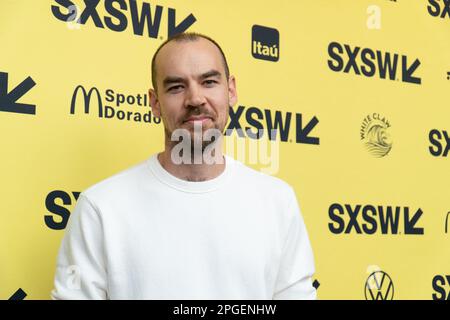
(171,229)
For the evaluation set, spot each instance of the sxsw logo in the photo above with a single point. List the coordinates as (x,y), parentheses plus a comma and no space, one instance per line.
(265,43)
(56,202)
(370,219)
(441,287)
(258,121)
(437,8)
(372,63)
(122,14)
(440,143)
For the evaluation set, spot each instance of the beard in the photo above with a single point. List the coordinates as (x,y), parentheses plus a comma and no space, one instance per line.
(194,138)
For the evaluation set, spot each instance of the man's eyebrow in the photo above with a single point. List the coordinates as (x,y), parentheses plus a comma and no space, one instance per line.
(173,79)
(211,73)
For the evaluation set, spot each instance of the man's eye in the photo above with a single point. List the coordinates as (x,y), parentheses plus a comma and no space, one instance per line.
(175,88)
(210,82)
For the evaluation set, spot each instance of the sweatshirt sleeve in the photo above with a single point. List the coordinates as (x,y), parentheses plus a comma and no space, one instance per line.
(80,270)
(294,281)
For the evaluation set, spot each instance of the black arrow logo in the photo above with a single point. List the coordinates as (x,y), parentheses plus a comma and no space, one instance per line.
(302,134)
(18,295)
(8,100)
(408,71)
(174,29)
(410,224)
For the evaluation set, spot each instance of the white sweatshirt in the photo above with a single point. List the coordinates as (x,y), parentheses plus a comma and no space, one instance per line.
(145,234)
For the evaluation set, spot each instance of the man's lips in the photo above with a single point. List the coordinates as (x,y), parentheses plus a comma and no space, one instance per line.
(198,118)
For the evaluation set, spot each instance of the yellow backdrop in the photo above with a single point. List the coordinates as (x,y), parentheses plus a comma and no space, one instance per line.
(363,84)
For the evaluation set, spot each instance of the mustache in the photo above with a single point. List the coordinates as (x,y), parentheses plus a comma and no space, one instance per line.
(199,112)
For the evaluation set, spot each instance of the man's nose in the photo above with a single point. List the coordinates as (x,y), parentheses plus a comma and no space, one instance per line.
(195,96)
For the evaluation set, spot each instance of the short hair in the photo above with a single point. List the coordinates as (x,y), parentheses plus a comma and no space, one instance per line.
(188,36)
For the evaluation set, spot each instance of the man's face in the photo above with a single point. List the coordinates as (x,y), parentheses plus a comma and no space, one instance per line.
(192,87)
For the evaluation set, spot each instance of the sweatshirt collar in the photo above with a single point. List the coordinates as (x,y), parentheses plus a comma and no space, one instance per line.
(190,186)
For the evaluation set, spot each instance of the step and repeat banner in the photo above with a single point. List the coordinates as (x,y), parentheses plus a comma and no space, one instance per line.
(358,91)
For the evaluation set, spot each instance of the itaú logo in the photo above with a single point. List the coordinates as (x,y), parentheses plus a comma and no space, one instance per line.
(118,101)
(379,286)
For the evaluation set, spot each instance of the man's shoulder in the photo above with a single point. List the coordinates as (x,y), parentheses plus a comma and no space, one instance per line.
(269,192)
(121,182)
(261,180)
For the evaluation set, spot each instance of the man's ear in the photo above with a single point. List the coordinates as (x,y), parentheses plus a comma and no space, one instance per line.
(232,93)
(154,102)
